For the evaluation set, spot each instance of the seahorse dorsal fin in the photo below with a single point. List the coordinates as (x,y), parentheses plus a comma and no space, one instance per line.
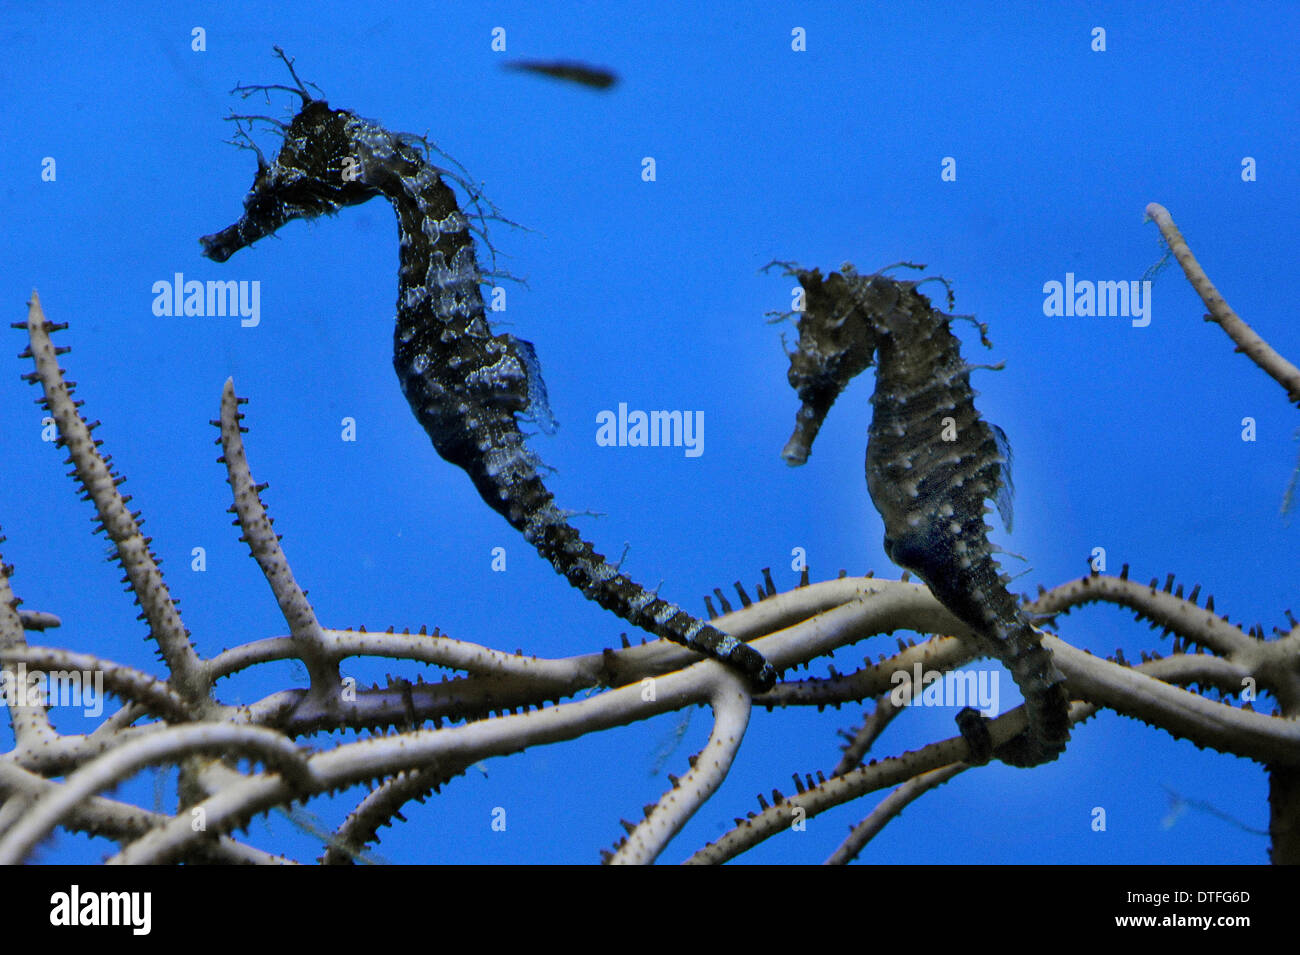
(539,408)
(1005,488)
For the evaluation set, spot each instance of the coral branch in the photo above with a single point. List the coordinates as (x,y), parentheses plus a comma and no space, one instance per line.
(31,723)
(1270,662)
(866,734)
(122,527)
(1184,617)
(123,761)
(1179,712)
(38,620)
(841,789)
(128,683)
(1284,814)
(937,654)
(890,808)
(448,749)
(264,544)
(98,816)
(1136,691)
(362,825)
(731,704)
(1247,340)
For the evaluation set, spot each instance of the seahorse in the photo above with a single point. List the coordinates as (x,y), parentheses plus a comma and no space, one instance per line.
(932,462)
(468,387)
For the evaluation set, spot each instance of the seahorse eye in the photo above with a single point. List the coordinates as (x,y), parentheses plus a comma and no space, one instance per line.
(882,293)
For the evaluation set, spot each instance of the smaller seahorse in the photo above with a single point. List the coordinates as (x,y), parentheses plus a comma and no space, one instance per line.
(467,387)
(932,462)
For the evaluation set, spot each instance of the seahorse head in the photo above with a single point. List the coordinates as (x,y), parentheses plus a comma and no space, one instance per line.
(319,169)
(836,343)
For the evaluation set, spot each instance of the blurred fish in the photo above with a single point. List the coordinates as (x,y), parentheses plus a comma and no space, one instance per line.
(592,76)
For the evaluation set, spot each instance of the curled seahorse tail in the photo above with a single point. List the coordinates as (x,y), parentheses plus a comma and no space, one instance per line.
(1048,705)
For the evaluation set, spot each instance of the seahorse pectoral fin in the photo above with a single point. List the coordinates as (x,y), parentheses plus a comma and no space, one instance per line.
(539,408)
(1005,488)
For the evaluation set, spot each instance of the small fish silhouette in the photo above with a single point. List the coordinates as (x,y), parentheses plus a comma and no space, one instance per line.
(594,77)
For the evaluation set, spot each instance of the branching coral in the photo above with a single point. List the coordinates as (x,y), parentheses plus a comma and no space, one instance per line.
(503,703)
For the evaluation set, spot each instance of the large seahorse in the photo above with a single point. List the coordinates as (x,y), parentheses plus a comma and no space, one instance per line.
(932,462)
(467,386)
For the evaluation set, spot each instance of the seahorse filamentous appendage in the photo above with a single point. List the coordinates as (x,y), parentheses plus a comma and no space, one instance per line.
(467,386)
(932,463)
